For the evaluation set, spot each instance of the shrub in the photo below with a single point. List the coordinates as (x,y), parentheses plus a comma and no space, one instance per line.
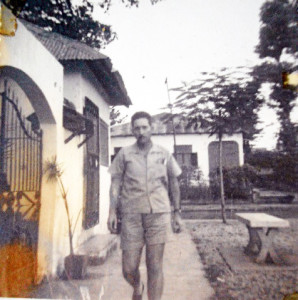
(199,193)
(262,159)
(192,185)
(238,182)
(190,176)
(285,172)
(283,166)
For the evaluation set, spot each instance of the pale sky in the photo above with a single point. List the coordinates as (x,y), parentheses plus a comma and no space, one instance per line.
(178,39)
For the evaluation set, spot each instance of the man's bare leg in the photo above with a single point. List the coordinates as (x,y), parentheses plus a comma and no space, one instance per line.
(154,262)
(130,268)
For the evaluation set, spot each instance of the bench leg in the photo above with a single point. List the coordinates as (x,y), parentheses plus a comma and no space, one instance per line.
(267,249)
(254,244)
(260,244)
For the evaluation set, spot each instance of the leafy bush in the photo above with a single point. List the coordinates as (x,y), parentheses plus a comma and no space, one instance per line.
(285,172)
(238,182)
(199,193)
(283,166)
(192,185)
(190,176)
(262,159)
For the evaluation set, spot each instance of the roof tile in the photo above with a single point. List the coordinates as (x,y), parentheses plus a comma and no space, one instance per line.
(62,47)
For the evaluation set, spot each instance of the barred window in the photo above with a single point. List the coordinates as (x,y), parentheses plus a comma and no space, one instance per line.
(185,156)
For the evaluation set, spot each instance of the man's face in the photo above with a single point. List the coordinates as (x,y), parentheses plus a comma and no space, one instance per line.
(142,131)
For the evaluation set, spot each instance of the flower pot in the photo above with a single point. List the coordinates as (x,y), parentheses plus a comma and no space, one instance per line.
(75,266)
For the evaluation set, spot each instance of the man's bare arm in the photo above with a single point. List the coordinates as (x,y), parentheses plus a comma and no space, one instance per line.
(114,199)
(175,198)
(174,192)
(114,192)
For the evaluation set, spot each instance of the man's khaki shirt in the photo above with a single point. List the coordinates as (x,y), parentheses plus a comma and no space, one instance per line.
(144,178)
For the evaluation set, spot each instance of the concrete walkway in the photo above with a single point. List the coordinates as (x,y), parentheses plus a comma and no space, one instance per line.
(184,277)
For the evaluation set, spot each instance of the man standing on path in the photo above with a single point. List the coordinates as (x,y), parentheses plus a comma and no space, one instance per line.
(143,177)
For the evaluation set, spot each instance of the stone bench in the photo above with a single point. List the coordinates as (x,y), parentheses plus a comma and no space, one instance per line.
(281,197)
(262,228)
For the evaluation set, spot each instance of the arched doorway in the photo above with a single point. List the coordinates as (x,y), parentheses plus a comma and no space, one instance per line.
(21,151)
(230,155)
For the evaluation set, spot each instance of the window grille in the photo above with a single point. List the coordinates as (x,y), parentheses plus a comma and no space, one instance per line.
(185,156)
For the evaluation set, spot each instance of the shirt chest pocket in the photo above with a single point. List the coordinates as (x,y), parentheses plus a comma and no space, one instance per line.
(159,169)
(134,167)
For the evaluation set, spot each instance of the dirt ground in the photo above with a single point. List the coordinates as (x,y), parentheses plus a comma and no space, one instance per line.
(212,235)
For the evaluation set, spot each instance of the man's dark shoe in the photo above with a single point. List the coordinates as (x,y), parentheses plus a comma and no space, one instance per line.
(138,297)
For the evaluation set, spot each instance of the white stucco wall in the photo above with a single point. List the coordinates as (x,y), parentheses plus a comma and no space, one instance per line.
(94,91)
(199,142)
(80,83)
(35,61)
(40,75)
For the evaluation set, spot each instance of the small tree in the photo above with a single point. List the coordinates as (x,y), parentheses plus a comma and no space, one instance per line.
(221,106)
(54,172)
(115,116)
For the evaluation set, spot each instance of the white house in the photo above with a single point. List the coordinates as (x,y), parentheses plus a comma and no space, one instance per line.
(194,146)
(54,102)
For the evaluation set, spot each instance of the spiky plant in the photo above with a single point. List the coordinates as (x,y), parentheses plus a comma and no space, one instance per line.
(53,171)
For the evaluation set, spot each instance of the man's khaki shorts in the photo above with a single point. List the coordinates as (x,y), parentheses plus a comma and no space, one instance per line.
(140,229)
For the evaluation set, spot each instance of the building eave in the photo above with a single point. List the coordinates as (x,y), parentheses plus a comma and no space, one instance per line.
(111,81)
(65,49)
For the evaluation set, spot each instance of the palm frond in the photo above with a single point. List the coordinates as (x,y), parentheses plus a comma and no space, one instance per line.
(52,169)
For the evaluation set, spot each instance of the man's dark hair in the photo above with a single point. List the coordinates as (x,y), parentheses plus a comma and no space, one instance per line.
(141,115)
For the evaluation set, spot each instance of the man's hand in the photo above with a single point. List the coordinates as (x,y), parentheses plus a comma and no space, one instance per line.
(112,222)
(177,222)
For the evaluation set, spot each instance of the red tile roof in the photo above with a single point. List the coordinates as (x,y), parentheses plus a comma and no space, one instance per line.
(62,47)
(66,49)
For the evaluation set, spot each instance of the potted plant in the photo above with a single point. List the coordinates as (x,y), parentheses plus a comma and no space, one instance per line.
(75,265)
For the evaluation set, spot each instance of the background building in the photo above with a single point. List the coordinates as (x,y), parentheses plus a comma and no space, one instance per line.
(194,147)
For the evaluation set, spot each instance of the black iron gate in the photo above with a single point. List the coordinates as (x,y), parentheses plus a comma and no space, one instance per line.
(20,184)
